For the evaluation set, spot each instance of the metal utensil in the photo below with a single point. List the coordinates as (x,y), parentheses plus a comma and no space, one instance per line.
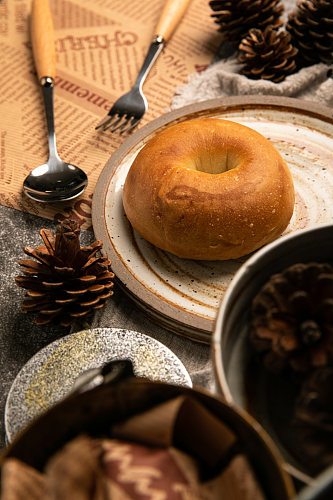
(128,110)
(55,180)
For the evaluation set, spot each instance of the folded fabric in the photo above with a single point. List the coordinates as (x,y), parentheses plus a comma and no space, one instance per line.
(175,450)
(222,79)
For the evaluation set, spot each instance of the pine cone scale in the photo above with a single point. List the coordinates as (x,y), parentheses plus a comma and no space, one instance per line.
(44,320)
(259,71)
(106,275)
(90,303)
(85,279)
(76,292)
(268,55)
(91,262)
(50,310)
(99,306)
(31,305)
(52,284)
(96,288)
(31,252)
(106,296)
(65,301)
(35,293)
(79,314)
(32,267)
(49,240)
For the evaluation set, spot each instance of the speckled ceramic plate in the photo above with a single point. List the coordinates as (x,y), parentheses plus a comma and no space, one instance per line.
(184,295)
(51,374)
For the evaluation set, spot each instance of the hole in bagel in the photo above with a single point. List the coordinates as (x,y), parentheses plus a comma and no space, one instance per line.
(216,162)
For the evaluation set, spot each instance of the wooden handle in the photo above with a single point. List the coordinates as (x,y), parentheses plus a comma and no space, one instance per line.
(42,38)
(172,14)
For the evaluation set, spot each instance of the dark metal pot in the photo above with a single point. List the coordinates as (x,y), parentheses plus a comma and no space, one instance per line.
(231,350)
(94,411)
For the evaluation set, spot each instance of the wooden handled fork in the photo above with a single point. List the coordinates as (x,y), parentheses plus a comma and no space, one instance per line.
(128,110)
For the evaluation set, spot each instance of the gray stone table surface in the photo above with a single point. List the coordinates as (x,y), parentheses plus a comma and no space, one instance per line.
(20,338)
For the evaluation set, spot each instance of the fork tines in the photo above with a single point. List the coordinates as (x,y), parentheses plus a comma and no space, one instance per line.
(117,122)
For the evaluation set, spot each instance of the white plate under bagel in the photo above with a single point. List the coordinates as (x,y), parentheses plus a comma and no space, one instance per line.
(184,295)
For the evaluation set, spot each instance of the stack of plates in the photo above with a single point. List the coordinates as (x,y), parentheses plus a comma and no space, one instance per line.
(183,295)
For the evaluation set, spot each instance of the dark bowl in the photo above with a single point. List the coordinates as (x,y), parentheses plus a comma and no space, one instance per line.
(243,382)
(93,412)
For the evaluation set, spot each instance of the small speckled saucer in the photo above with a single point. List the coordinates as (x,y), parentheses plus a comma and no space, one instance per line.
(51,373)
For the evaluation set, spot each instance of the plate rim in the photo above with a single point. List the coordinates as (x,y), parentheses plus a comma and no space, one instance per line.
(166,314)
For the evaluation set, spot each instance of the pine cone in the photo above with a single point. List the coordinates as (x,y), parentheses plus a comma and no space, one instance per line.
(237,17)
(292,318)
(311,30)
(67,282)
(267,54)
(313,419)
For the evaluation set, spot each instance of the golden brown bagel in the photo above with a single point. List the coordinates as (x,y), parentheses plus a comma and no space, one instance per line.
(209,189)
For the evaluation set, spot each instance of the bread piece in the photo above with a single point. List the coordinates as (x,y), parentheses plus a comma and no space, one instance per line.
(209,189)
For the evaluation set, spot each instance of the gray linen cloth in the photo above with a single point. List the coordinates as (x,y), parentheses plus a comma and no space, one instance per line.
(222,79)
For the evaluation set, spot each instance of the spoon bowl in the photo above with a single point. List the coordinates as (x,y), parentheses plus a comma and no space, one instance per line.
(55,180)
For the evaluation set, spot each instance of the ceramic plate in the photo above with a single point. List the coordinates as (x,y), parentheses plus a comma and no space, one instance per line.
(184,295)
(51,373)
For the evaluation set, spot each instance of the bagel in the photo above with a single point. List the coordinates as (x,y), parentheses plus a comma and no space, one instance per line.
(209,189)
